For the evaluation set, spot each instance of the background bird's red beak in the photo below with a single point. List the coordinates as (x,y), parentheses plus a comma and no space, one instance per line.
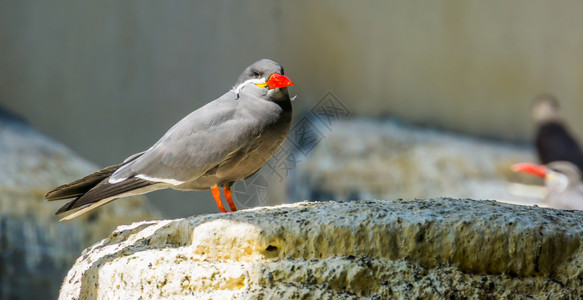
(278,81)
(532,169)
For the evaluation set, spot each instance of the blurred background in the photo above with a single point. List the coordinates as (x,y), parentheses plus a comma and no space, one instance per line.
(415,84)
(108,79)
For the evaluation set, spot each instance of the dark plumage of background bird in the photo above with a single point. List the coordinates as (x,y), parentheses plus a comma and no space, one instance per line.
(554,141)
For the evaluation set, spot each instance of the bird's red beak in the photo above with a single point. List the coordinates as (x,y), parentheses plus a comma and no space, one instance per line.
(532,169)
(276,81)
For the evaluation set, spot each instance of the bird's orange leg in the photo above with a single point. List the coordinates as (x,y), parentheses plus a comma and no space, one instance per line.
(227,191)
(217,196)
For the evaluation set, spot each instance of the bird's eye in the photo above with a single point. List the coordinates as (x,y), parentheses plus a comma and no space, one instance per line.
(256,74)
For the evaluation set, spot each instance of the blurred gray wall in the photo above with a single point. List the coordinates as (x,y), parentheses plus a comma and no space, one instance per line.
(109,78)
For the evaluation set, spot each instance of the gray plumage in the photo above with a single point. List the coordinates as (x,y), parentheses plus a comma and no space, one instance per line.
(226,140)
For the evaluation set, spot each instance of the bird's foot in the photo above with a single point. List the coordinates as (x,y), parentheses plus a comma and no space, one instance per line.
(227,191)
(217,196)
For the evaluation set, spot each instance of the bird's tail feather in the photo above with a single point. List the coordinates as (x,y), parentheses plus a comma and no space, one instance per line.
(106,192)
(83,209)
(95,190)
(81,186)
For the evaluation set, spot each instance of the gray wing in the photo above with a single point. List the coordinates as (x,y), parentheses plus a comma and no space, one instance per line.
(196,144)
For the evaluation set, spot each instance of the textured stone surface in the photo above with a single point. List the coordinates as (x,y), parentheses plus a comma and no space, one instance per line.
(433,249)
(384,159)
(35,249)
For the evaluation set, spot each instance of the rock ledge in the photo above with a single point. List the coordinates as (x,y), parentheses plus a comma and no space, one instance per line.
(431,248)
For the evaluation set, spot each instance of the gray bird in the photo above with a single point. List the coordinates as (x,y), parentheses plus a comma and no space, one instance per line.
(226,140)
(562,180)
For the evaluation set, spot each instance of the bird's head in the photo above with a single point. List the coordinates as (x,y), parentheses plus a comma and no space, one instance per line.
(264,78)
(545,108)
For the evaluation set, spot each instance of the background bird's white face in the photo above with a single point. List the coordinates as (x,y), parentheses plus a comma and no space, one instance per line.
(544,111)
(556,181)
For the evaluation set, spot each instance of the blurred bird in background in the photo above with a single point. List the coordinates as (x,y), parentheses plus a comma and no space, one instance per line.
(560,156)
(554,141)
